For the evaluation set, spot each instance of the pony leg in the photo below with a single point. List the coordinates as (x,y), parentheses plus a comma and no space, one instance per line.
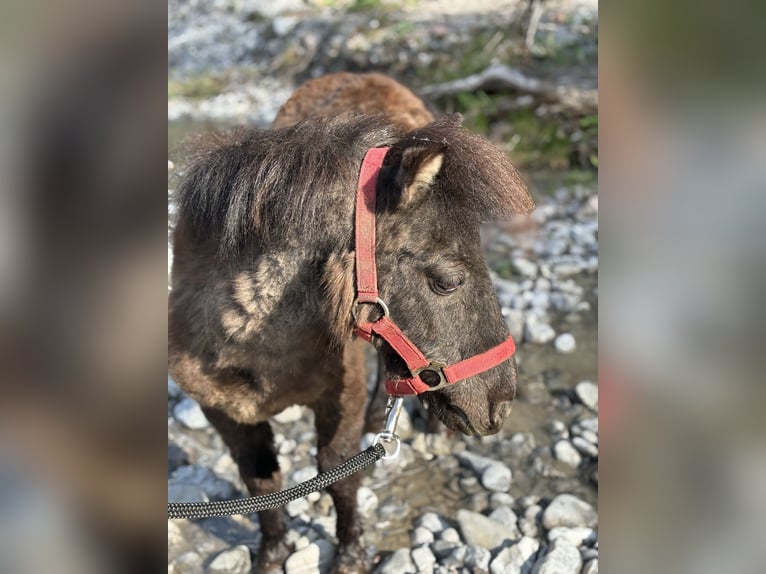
(252,448)
(339,421)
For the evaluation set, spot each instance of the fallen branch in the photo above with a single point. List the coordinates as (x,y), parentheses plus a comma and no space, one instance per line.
(584,99)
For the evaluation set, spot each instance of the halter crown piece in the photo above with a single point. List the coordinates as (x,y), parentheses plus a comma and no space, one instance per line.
(367,293)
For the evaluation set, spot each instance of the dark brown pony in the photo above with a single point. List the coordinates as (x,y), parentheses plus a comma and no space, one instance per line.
(263,285)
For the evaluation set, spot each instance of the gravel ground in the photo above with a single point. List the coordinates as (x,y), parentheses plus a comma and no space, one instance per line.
(449,503)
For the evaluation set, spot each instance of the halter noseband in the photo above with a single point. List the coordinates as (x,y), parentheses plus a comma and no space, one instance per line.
(367,293)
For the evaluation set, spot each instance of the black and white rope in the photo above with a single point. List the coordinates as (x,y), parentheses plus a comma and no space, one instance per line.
(277,499)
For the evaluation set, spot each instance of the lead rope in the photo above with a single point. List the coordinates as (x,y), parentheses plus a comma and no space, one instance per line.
(385,445)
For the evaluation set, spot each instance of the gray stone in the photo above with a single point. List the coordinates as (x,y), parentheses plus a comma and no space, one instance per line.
(233,561)
(185,492)
(477,558)
(565,343)
(186,563)
(569,511)
(589,553)
(497,478)
(562,558)
(424,559)
(591,567)
(189,414)
(398,563)
(517,558)
(559,430)
(494,475)
(215,488)
(366,500)
(536,331)
(283,25)
(421,536)
(304,474)
(479,530)
(585,447)
(289,415)
(525,267)
(297,507)
(566,453)
(587,394)
(451,535)
(174,391)
(505,516)
(497,499)
(577,536)
(432,521)
(514,318)
(313,559)
(444,548)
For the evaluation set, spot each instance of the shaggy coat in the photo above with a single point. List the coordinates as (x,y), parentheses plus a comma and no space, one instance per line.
(263,285)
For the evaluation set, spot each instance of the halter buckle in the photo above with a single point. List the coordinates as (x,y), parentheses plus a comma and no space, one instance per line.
(433,367)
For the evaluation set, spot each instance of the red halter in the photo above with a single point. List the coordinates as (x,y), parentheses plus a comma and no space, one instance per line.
(367,292)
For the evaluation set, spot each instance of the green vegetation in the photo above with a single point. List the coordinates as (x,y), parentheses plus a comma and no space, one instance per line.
(197,87)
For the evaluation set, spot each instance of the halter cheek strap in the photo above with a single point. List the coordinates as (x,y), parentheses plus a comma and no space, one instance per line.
(367,293)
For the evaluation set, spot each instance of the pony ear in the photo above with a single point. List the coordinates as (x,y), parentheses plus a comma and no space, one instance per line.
(410,176)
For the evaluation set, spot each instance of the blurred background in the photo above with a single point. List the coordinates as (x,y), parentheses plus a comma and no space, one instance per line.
(84,233)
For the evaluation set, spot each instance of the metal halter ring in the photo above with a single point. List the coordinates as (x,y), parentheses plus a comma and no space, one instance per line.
(434,367)
(378,301)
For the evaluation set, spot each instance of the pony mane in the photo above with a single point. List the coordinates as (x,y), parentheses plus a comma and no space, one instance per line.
(252,185)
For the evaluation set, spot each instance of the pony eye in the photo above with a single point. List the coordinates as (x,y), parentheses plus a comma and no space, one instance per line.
(446,285)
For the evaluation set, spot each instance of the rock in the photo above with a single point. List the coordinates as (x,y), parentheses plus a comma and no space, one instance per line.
(304,474)
(495,475)
(424,559)
(497,478)
(174,391)
(577,536)
(559,430)
(185,492)
(289,415)
(562,558)
(215,488)
(444,548)
(189,414)
(565,343)
(525,267)
(450,535)
(186,563)
(566,453)
(587,394)
(176,457)
(421,536)
(589,553)
(479,530)
(569,511)
(312,559)
(233,561)
(505,516)
(477,559)
(398,563)
(517,558)
(297,507)
(535,331)
(432,521)
(455,558)
(498,499)
(585,447)
(514,318)
(366,500)
(283,25)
